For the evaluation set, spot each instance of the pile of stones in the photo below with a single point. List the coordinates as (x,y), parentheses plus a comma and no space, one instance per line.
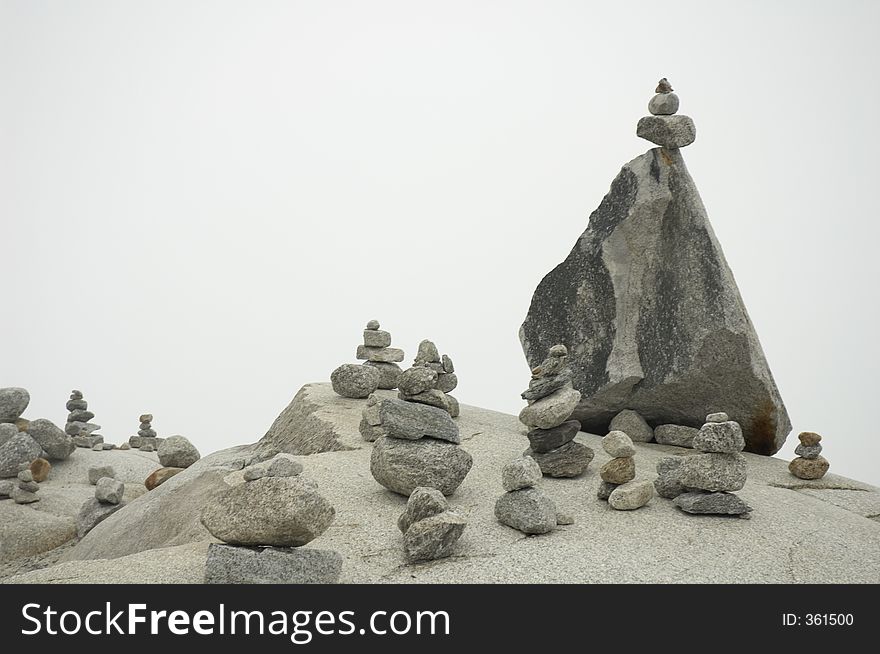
(78,426)
(146,440)
(419,446)
(430,529)
(809,464)
(23,490)
(264,522)
(107,499)
(704,483)
(663,127)
(430,380)
(524,507)
(380,369)
(551,399)
(618,486)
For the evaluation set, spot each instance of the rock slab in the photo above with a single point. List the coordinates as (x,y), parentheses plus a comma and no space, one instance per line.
(227,564)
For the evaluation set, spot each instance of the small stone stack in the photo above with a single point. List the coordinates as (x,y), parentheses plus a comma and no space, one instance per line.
(430,529)
(430,380)
(551,399)
(264,522)
(809,464)
(663,126)
(107,500)
(618,474)
(26,490)
(524,507)
(380,355)
(146,440)
(704,483)
(419,446)
(78,425)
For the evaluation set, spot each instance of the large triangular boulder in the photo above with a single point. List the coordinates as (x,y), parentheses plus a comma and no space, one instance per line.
(651,314)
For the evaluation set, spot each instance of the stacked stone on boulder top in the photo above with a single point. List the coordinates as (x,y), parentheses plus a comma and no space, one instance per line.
(551,399)
(25,490)
(107,500)
(380,369)
(146,440)
(264,522)
(663,126)
(430,529)
(524,507)
(430,380)
(78,426)
(809,463)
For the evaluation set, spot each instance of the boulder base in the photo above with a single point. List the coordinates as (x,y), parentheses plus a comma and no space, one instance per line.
(228,564)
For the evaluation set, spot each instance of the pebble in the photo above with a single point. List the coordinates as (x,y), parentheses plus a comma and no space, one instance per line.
(550,411)
(605,490)
(417,379)
(523,472)
(717,417)
(373,324)
(809,438)
(109,491)
(633,425)
(434,537)
(712,503)
(724,437)
(667,131)
(663,104)
(424,502)
(618,444)
(631,495)
(808,451)
(564,518)
(177,452)
(677,435)
(99,472)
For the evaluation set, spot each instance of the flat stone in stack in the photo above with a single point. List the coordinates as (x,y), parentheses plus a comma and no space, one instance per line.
(430,529)
(551,399)
(678,435)
(107,501)
(146,439)
(430,380)
(809,464)
(524,507)
(388,370)
(78,426)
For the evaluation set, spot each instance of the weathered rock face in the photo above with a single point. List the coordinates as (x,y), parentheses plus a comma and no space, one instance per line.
(652,316)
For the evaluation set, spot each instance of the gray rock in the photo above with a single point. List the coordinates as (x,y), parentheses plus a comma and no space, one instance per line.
(423,503)
(77,404)
(371,410)
(125,446)
(228,564)
(713,472)
(80,415)
(148,445)
(540,387)
(619,470)
(402,466)
(29,486)
(99,472)
(7,486)
(550,411)
(281,465)
(88,441)
(631,496)
(277,511)
(657,324)
(98,447)
(354,380)
(678,435)
(376,338)
(93,512)
(528,510)
(147,433)
(381,354)
(719,416)
(417,379)
(570,460)
(109,490)
(668,131)
(633,425)
(454,408)
(712,503)
(564,518)
(447,364)
(134,441)
(108,446)
(13,402)
(389,373)
(808,451)
(370,432)
(17,450)
(25,475)
(373,324)
(663,104)
(605,490)
(412,421)
(523,472)
(24,496)
(145,418)
(447,382)
(177,452)
(434,537)
(725,437)
(618,444)
(7,431)
(432,397)
(427,353)
(667,484)
(545,440)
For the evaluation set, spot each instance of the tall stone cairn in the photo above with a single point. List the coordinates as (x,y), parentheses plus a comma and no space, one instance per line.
(551,399)
(430,380)
(380,369)
(809,463)
(78,426)
(146,440)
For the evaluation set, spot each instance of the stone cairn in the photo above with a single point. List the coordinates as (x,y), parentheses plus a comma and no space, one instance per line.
(663,127)
(146,440)
(107,500)
(417,385)
(704,483)
(524,507)
(809,464)
(24,489)
(617,486)
(430,529)
(264,522)
(551,399)
(380,369)
(78,425)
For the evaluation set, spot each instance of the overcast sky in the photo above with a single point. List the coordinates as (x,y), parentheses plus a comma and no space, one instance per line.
(202,203)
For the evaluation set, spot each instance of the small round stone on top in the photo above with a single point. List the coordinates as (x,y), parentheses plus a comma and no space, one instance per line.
(558,351)
(373,325)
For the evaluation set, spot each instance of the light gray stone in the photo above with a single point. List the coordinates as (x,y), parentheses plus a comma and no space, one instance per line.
(29,486)
(373,324)
(147,432)
(448,366)
(546,440)
(177,452)
(402,466)
(668,131)
(13,402)
(657,324)
(633,425)
(99,472)
(540,387)
(663,104)
(631,495)
(370,432)
(80,415)
(713,472)
(88,441)
(125,446)
(427,353)
(417,379)
(148,445)
(24,495)
(718,416)
(550,411)
(93,512)
(412,421)
(98,447)
(25,475)
(108,446)
(380,354)
(228,564)
(432,397)
(423,503)
(724,437)
(277,511)
(605,490)
(371,410)
(6,488)
(433,538)
(454,408)
(17,450)
(712,503)
(618,444)
(570,460)
(389,373)
(808,451)
(377,338)
(77,404)
(528,510)
(564,518)
(354,380)
(109,490)
(678,435)
(619,470)
(523,472)
(447,382)
(7,431)
(281,465)
(667,484)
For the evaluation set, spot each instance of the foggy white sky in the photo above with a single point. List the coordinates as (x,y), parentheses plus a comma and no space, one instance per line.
(202,203)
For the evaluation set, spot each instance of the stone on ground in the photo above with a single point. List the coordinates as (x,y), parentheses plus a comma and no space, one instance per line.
(711,503)
(545,440)
(523,472)
(678,435)
(354,380)
(13,402)
(109,490)
(631,495)
(528,510)
(227,564)
(423,503)
(434,537)
(633,425)
(98,472)
(618,444)
(18,450)
(402,466)
(177,452)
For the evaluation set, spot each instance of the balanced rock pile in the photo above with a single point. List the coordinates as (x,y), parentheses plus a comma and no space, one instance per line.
(430,380)
(617,486)
(663,126)
(146,440)
(78,426)
(380,369)
(704,483)
(430,529)
(809,464)
(551,400)
(264,522)
(524,507)
(23,490)
(107,499)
